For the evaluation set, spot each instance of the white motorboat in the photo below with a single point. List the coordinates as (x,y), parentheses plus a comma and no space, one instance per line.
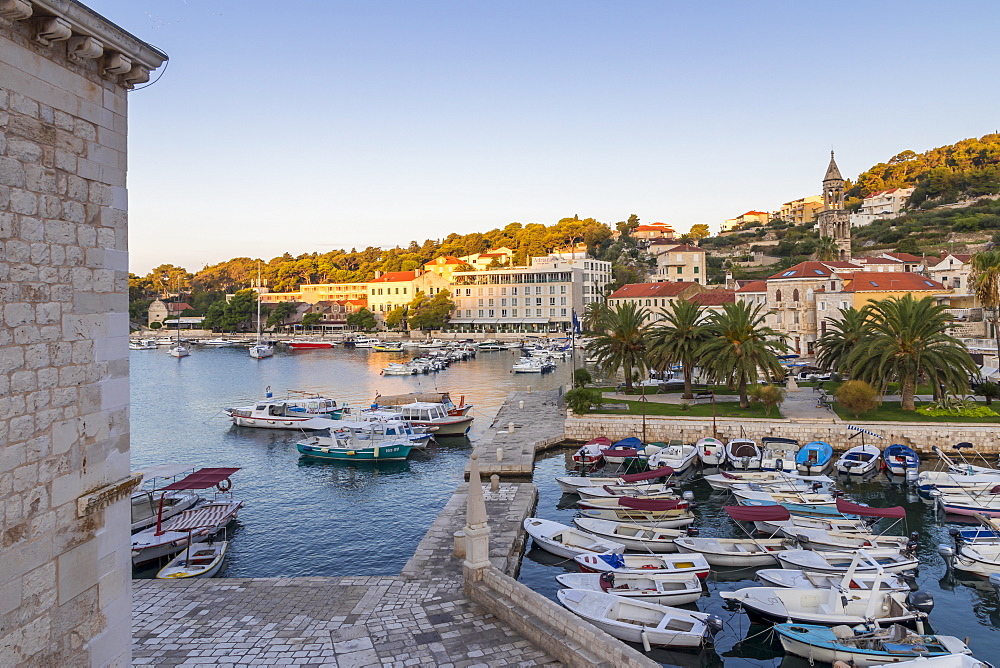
(678,456)
(895,646)
(365,342)
(824,540)
(778,454)
(658,490)
(530,365)
(711,451)
(982,559)
(635,537)
(590,452)
(273,414)
(427,414)
(644,563)
(571,484)
(148,502)
(891,561)
(178,350)
(196,525)
(662,588)
(219,343)
(640,622)
(859,460)
(735,552)
(202,560)
(142,344)
(795,579)
(565,541)
(261,351)
(368,432)
(743,454)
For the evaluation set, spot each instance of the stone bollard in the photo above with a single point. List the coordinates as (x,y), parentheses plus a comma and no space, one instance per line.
(459,550)
(510,427)
(520,405)
(529,389)
(500,454)
(494,482)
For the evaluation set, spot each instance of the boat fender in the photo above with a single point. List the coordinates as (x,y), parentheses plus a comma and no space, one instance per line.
(224,485)
(645,640)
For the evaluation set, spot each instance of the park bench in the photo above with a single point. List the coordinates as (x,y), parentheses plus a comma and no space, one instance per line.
(705,395)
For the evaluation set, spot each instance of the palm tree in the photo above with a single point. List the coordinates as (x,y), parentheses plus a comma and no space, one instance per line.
(740,347)
(622,345)
(833,347)
(985,281)
(908,339)
(678,339)
(827,249)
(593,314)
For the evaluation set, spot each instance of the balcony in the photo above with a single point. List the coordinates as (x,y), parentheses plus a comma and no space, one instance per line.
(965,314)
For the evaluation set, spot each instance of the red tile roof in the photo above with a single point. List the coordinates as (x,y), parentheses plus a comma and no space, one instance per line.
(755,213)
(444,259)
(877,281)
(877,260)
(686,248)
(754,286)
(395,277)
(905,257)
(661,227)
(714,297)
(175,307)
(651,290)
(813,269)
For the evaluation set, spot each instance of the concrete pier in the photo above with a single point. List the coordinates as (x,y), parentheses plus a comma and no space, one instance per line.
(540,424)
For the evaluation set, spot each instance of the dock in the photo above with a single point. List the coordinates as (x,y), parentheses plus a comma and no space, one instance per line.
(527,423)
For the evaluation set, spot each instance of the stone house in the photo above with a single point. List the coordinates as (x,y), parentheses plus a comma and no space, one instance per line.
(160,310)
(678,264)
(398,288)
(881,205)
(653,296)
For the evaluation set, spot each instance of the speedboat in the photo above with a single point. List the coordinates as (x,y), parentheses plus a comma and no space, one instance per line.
(901,460)
(814,458)
(590,452)
(565,541)
(203,561)
(743,454)
(778,454)
(662,588)
(859,460)
(711,451)
(678,456)
(895,645)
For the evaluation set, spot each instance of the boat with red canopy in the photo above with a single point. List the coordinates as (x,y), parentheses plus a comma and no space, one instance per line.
(590,452)
(569,484)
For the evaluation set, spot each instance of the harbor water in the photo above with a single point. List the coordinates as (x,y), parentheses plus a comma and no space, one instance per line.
(304,517)
(965,607)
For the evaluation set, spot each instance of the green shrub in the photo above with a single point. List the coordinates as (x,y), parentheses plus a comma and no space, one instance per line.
(933,410)
(580,400)
(857,397)
(582,378)
(155,325)
(768,395)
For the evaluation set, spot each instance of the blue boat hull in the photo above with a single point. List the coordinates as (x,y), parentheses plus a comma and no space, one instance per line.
(372,454)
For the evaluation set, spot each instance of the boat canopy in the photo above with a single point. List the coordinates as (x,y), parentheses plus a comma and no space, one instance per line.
(650,504)
(600,440)
(414,397)
(848,508)
(200,518)
(630,442)
(201,479)
(773,513)
(163,471)
(620,452)
(651,474)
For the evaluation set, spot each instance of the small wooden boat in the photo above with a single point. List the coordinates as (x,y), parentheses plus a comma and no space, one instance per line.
(859,460)
(891,561)
(637,621)
(644,563)
(970,504)
(590,452)
(725,480)
(345,446)
(662,588)
(202,560)
(743,454)
(565,541)
(795,579)
(678,456)
(797,498)
(626,448)
(735,552)
(668,514)
(711,451)
(773,520)
(896,645)
(635,537)
(823,540)
(814,458)
(570,484)
(900,460)
(612,491)
(778,454)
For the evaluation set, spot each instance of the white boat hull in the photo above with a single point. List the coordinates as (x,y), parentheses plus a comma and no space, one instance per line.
(195,562)
(613,615)
(567,542)
(662,588)
(635,537)
(762,554)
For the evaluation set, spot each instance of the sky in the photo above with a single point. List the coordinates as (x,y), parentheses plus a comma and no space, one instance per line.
(320,124)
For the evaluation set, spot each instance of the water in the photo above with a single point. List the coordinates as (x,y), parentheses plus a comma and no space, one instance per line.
(965,607)
(302,517)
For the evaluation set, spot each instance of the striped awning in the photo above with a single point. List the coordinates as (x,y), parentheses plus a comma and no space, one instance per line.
(213,515)
(863,431)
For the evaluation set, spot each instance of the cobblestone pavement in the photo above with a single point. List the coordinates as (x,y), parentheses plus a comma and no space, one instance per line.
(539,424)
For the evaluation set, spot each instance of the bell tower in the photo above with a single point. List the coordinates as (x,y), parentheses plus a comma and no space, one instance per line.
(834,221)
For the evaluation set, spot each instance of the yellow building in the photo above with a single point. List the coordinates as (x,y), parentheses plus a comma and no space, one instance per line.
(800,211)
(445,266)
(742,221)
(858,288)
(397,288)
(321,292)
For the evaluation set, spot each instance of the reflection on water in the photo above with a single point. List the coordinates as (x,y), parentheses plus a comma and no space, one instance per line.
(964,606)
(303,516)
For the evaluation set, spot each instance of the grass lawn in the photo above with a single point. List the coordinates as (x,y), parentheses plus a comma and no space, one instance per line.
(722,409)
(891,412)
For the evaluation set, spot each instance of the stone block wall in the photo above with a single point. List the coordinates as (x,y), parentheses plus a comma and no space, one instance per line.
(920,436)
(65,567)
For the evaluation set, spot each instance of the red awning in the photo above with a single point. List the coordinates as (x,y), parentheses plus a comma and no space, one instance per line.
(651,504)
(202,479)
(600,440)
(773,513)
(651,474)
(620,452)
(848,508)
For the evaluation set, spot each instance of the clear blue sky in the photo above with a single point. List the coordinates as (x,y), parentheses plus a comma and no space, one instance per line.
(305,126)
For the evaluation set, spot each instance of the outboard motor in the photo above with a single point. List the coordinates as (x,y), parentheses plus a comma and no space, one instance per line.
(607,580)
(779,465)
(912,475)
(947,553)
(911,545)
(714,624)
(816,486)
(746,462)
(692,531)
(920,601)
(688,496)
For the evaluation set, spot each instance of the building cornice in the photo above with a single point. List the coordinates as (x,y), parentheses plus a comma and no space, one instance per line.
(121,56)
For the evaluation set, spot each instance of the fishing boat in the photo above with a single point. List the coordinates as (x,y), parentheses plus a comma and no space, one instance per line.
(735,552)
(635,537)
(743,454)
(796,579)
(678,456)
(372,431)
(344,446)
(711,451)
(428,414)
(589,453)
(896,645)
(778,454)
(142,344)
(662,588)
(624,449)
(203,561)
(859,460)
(643,563)
(571,484)
(901,460)
(814,458)
(641,622)
(273,414)
(646,491)
(565,541)
(891,561)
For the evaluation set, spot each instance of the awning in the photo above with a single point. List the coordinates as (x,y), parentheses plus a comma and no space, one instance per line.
(202,479)
(630,442)
(212,516)
(162,471)
(620,452)
(650,504)
(648,475)
(773,513)
(848,508)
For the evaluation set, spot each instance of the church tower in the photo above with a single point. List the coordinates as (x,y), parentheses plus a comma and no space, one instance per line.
(834,221)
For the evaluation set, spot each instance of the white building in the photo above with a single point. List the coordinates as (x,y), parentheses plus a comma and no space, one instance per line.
(537,298)
(881,205)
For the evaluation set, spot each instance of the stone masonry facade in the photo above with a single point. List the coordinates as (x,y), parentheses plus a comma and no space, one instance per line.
(64,390)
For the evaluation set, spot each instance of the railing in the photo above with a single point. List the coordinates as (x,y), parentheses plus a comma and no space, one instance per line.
(966,314)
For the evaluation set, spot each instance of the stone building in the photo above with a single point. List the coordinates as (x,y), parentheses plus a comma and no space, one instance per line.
(881,205)
(653,296)
(684,263)
(160,310)
(834,221)
(800,211)
(65,567)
